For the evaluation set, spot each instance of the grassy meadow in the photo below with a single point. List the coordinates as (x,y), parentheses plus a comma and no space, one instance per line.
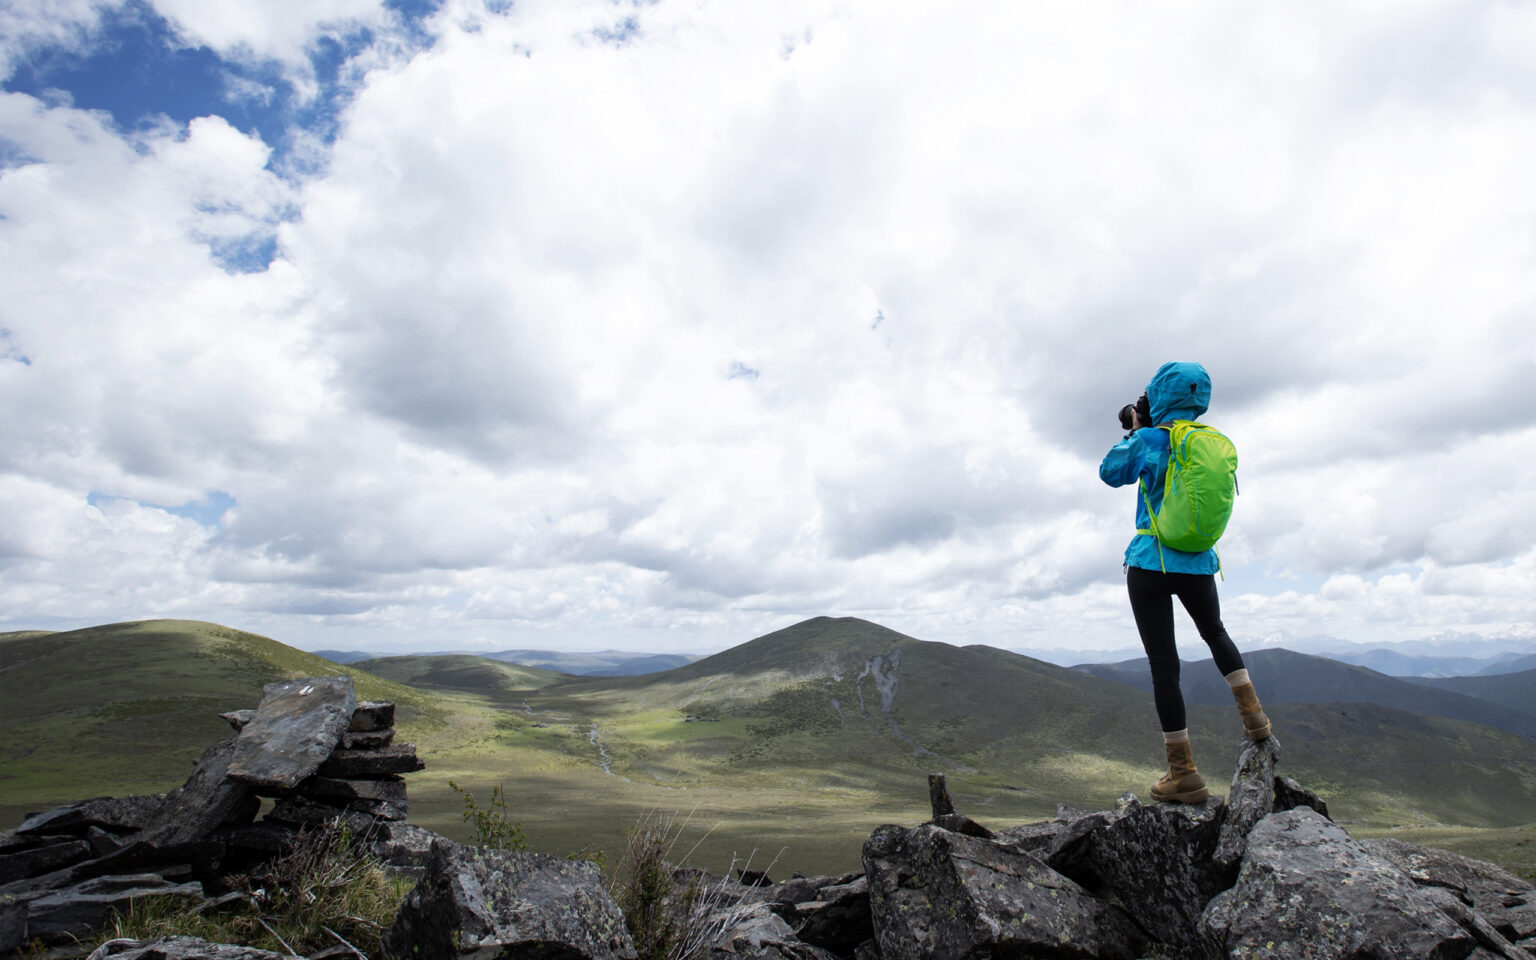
(791,747)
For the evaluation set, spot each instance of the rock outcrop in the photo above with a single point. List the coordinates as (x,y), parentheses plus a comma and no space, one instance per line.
(1306,889)
(935,893)
(475,901)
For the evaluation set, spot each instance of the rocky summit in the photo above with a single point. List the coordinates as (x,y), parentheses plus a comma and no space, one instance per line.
(1263,873)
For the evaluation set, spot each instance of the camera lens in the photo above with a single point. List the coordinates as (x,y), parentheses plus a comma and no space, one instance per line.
(1126,416)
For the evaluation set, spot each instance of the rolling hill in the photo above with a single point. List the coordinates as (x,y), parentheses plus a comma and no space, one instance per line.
(599,663)
(1517,691)
(1285,677)
(1513,665)
(501,682)
(127,707)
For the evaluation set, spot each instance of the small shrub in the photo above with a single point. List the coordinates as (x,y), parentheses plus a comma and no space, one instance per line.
(671,913)
(328,889)
(493,825)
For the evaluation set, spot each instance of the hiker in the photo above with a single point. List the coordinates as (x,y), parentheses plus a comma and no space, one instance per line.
(1155,572)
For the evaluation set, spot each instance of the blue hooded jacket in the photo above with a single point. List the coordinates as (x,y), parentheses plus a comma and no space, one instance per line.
(1179,391)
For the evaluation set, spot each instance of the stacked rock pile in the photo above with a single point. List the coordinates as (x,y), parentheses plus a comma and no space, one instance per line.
(309,747)
(359,781)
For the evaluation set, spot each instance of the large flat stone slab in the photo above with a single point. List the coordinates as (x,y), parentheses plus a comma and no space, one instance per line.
(366,764)
(295,728)
(1500,897)
(938,895)
(391,789)
(43,858)
(62,915)
(208,800)
(111,813)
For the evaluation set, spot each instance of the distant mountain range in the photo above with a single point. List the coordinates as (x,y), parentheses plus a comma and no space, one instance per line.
(1507,701)
(1447,655)
(1394,663)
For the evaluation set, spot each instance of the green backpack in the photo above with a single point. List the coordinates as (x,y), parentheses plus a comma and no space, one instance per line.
(1198,489)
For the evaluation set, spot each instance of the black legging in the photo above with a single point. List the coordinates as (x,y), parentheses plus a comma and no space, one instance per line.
(1152,596)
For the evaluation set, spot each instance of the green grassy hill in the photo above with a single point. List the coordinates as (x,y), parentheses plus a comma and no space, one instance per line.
(597,663)
(1516,691)
(806,738)
(127,707)
(500,682)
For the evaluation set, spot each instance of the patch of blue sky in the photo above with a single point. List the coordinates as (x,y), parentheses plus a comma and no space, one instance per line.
(10,352)
(248,254)
(1270,582)
(136,68)
(740,371)
(620,33)
(208,510)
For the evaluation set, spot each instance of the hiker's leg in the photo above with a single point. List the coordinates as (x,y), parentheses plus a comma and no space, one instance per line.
(1152,606)
(1198,594)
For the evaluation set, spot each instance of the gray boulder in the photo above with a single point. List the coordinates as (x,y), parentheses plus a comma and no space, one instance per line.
(303,812)
(1498,896)
(507,904)
(1306,889)
(1289,795)
(237,719)
(938,895)
(839,918)
(761,935)
(181,948)
(391,789)
(1155,861)
(371,716)
(407,848)
(371,740)
(43,858)
(61,915)
(1251,799)
(368,764)
(294,729)
(13,921)
(1488,939)
(1032,836)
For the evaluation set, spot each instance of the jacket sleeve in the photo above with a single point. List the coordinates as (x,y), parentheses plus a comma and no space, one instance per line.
(1122,464)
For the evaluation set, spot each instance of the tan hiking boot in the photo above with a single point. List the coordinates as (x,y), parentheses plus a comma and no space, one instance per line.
(1255,723)
(1182,783)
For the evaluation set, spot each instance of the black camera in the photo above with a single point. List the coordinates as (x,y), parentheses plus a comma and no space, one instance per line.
(1141,406)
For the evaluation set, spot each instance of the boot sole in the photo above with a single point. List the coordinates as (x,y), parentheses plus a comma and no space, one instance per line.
(1192,796)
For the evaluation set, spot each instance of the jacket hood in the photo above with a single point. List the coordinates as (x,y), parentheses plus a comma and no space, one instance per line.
(1179,391)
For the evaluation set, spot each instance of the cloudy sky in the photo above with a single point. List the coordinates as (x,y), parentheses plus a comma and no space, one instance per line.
(468,324)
